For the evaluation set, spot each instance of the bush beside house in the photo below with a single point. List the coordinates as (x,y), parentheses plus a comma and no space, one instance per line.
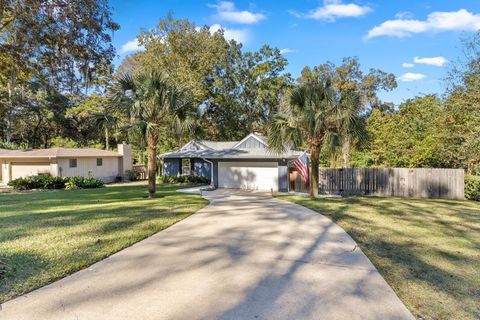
(472,188)
(184,179)
(49,183)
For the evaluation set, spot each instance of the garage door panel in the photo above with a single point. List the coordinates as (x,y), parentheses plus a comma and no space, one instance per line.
(248,175)
(21,170)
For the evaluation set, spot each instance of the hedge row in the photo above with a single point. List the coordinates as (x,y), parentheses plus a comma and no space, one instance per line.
(48,182)
(184,179)
(472,188)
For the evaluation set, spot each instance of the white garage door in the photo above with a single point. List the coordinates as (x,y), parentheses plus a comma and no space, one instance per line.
(248,175)
(21,170)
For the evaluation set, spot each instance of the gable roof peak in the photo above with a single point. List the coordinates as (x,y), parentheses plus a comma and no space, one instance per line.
(261,138)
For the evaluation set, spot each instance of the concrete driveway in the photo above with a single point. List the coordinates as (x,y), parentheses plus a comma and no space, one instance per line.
(245,256)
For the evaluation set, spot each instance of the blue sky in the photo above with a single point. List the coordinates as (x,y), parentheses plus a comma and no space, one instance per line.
(415,40)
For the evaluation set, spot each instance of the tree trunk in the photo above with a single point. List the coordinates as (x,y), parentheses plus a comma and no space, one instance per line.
(107,138)
(152,140)
(35,135)
(346,153)
(8,136)
(314,156)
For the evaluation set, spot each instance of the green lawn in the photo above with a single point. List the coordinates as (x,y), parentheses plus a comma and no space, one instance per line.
(427,250)
(47,235)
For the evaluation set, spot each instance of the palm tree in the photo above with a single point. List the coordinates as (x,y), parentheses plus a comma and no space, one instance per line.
(106,122)
(150,98)
(350,130)
(315,116)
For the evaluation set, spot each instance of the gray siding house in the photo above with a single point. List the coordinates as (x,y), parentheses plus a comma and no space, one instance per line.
(246,164)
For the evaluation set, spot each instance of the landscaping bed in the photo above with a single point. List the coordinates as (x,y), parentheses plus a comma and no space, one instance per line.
(47,182)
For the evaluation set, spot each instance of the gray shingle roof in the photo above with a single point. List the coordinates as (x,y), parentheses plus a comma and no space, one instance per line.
(231,154)
(226,150)
(58,153)
(218,145)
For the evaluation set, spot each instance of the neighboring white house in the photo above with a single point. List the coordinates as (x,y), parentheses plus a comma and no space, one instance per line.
(66,162)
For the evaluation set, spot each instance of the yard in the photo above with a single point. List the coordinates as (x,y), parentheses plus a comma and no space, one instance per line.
(427,250)
(45,236)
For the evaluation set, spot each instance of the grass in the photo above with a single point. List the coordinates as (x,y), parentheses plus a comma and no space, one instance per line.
(45,236)
(427,250)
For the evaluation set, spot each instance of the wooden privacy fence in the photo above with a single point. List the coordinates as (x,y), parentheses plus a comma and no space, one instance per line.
(395,182)
(140,170)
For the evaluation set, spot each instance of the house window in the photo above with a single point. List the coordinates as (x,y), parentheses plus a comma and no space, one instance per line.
(99,162)
(72,163)
(186,167)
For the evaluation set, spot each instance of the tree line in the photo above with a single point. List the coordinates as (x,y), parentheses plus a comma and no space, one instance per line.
(58,87)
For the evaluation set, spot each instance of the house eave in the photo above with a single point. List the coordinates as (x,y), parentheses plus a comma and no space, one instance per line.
(59,157)
(228,157)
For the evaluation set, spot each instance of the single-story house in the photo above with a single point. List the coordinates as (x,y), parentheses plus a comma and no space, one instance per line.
(66,162)
(245,164)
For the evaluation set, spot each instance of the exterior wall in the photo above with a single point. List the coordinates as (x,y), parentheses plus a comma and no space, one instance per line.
(5,171)
(26,169)
(13,168)
(171,167)
(87,167)
(54,168)
(215,173)
(125,163)
(251,143)
(282,176)
(202,168)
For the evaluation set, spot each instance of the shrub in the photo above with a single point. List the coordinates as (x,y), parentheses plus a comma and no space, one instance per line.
(92,183)
(48,182)
(38,182)
(472,188)
(70,185)
(133,175)
(19,184)
(82,183)
(184,179)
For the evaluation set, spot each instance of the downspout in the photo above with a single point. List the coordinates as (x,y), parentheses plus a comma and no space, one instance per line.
(211,171)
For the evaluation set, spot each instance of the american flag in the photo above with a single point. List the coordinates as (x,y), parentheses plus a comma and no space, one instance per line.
(301,164)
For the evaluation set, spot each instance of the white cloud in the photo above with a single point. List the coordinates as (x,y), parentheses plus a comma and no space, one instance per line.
(410,76)
(408,65)
(404,15)
(239,35)
(295,13)
(286,50)
(131,46)
(335,9)
(226,11)
(397,28)
(433,61)
(435,22)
